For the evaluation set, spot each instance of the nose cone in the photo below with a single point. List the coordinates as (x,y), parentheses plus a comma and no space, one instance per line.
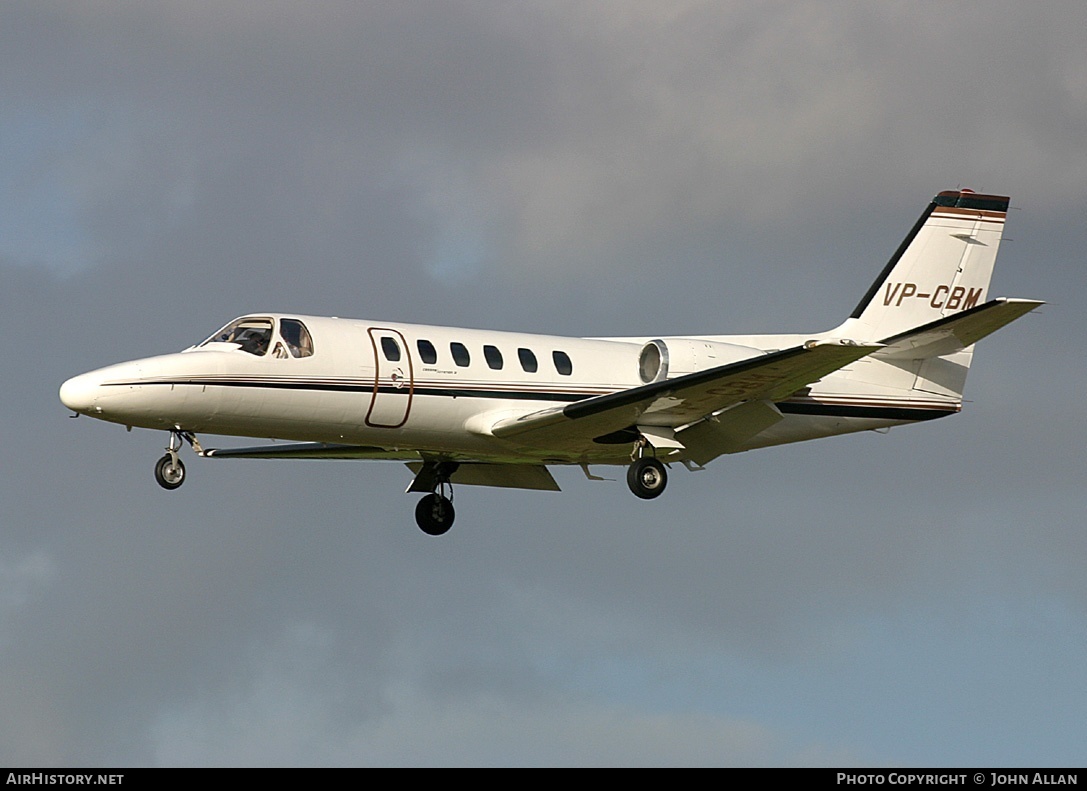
(79,393)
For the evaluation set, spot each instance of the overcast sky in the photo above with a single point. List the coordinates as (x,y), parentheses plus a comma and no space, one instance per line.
(586,168)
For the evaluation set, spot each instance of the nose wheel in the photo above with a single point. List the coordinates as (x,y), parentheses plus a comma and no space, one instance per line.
(170,470)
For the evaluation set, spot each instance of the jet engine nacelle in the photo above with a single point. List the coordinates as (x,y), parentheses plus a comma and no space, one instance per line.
(660,359)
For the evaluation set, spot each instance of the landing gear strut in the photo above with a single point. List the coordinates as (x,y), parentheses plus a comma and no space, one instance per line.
(434,514)
(169,470)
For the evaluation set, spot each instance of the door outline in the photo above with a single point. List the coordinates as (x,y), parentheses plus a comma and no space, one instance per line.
(394,406)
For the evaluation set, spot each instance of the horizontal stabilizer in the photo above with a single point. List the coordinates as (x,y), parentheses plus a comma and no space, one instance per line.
(954,333)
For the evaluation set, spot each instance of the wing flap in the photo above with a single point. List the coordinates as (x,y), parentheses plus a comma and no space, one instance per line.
(505,476)
(726,432)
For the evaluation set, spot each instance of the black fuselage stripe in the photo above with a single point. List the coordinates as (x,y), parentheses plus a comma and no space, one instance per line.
(787,407)
(417,390)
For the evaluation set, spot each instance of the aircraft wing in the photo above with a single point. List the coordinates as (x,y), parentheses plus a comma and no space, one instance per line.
(467,473)
(676,402)
(956,332)
(311,450)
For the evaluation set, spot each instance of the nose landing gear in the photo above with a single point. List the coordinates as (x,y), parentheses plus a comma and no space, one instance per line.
(170,470)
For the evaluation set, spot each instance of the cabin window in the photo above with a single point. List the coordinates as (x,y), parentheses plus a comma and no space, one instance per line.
(460,353)
(297,337)
(562,363)
(494,357)
(391,349)
(528,360)
(427,353)
(248,334)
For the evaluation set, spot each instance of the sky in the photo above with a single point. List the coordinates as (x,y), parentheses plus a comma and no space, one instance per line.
(591,169)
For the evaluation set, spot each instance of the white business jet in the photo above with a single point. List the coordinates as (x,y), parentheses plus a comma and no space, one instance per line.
(488,408)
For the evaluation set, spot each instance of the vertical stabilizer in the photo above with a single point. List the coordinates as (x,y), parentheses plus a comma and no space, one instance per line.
(942,267)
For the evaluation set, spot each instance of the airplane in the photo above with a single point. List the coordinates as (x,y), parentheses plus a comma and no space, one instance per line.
(490,408)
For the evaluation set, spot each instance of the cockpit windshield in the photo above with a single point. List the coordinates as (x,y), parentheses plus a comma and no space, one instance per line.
(255,335)
(250,334)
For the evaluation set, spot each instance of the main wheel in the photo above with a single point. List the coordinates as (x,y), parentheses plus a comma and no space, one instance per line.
(169,473)
(434,514)
(647,478)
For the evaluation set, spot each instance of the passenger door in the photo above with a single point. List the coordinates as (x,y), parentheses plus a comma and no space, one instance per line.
(394,379)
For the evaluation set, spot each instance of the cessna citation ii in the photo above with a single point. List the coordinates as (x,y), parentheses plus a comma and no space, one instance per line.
(487,408)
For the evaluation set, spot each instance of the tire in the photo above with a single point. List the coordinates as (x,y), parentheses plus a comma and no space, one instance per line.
(647,478)
(168,473)
(434,514)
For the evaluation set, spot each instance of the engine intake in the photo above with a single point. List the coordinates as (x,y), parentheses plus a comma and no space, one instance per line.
(676,357)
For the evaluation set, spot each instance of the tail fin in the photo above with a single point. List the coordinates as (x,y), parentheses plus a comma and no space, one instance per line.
(942,267)
(928,306)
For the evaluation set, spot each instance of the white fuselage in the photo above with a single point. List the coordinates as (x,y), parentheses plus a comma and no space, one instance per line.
(410,388)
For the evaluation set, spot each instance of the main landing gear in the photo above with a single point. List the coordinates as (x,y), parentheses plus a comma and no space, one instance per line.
(646,475)
(647,478)
(434,514)
(170,470)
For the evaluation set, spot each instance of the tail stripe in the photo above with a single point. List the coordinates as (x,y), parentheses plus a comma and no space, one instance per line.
(965,199)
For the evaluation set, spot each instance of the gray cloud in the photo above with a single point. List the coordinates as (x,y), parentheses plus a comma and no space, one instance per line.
(606,168)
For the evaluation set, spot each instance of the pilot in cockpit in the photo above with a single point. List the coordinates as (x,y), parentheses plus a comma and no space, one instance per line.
(296,337)
(253,340)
